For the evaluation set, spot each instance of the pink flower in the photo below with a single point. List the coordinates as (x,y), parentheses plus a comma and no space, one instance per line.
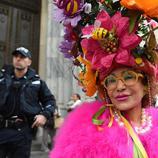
(99,57)
(153,23)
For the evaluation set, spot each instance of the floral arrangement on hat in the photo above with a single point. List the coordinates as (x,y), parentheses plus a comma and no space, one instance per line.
(103,34)
(116,46)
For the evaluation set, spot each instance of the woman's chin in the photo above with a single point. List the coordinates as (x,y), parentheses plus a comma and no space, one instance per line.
(123,106)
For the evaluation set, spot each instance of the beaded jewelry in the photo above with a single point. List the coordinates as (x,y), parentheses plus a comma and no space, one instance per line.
(149,92)
(146,121)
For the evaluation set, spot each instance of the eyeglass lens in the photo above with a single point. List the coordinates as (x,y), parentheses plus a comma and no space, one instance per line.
(128,77)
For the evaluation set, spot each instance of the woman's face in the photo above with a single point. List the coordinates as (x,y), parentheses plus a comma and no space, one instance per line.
(123,92)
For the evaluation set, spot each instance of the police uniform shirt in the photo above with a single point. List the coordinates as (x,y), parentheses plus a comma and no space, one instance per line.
(12,106)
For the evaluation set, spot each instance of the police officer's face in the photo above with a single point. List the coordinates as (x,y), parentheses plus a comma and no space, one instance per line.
(21,62)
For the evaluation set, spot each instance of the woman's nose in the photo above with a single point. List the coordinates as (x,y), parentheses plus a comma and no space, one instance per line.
(120,85)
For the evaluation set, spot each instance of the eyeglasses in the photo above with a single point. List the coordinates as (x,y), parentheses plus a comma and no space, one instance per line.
(129,78)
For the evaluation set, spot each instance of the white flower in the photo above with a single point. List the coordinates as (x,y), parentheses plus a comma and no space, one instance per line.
(87,8)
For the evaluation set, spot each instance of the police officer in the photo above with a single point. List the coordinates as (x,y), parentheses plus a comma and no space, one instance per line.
(26,103)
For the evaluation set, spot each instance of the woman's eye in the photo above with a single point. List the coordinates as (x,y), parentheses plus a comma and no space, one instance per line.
(110,80)
(129,76)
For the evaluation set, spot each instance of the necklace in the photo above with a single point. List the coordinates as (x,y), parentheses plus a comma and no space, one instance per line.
(146,121)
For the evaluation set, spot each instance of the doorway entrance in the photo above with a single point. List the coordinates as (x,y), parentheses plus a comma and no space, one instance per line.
(19,26)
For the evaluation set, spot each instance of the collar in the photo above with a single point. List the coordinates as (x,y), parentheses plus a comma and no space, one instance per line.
(9,69)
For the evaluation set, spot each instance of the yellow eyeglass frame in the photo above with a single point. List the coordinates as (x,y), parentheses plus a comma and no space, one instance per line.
(137,75)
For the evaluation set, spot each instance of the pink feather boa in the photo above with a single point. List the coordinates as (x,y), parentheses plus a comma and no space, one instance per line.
(79,138)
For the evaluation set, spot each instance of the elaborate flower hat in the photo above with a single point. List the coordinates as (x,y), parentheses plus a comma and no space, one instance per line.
(103,34)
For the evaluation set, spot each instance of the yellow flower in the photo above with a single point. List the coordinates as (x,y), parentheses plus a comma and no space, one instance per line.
(149,7)
(87,78)
(138,61)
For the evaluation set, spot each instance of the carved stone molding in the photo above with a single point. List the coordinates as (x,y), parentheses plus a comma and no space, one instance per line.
(25,16)
(4,11)
(2,18)
(3,23)
(33,5)
(2,47)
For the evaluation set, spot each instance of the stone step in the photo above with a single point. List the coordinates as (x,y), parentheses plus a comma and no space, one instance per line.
(39,154)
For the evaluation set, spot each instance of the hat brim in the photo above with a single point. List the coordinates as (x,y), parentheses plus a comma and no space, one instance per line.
(21,52)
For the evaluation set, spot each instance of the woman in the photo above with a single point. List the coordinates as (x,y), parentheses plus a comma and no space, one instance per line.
(80,138)
(124,123)
(76,102)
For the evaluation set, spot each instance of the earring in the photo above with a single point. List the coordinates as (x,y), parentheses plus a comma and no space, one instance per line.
(107,98)
(149,92)
(145,90)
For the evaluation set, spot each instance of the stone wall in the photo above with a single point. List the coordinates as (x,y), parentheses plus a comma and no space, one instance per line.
(53,68)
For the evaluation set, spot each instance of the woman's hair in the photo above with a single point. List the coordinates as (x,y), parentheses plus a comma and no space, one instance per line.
(151,88)
(78,96)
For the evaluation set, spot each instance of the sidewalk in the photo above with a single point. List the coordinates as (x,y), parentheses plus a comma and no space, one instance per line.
(36,152)
(36,144)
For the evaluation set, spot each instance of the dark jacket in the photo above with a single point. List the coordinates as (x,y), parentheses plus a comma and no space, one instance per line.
(35,97)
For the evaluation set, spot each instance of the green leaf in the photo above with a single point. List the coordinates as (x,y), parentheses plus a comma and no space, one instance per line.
(134,16)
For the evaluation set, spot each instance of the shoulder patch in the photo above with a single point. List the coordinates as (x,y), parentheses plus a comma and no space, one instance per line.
(36,75)
(36,82)
(3,70)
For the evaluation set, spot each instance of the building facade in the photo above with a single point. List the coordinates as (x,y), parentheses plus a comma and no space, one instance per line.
(30,23)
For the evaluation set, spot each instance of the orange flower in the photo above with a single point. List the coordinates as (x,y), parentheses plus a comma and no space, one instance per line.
(87,78)
(149,7)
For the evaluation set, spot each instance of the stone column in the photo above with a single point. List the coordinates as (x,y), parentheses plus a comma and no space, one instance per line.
(58,71)
(54,68)
(43,39)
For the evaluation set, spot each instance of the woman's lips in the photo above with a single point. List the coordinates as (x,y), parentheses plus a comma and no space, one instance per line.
(122,97)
